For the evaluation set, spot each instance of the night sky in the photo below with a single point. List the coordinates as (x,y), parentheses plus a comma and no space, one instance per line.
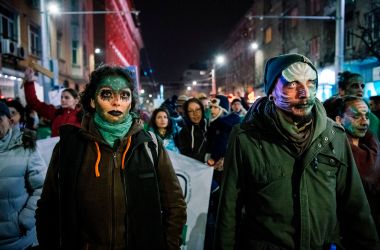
(177,33)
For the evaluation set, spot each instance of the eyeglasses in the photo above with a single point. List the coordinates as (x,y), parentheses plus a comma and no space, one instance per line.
(193,112)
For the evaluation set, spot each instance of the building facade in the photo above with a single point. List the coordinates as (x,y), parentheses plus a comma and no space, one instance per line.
(269,24)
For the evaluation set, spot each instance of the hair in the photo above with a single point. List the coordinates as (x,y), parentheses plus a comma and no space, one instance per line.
(375,98)
(344,77)
(14,103)
(339,105)
(72,92)
(186,106)
(96,78)
(152,122)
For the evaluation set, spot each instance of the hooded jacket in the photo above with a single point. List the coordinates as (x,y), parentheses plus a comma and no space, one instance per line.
(116,199)
(22,173)
(291,201)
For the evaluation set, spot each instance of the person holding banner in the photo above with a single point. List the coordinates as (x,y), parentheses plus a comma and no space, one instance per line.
(69,112)
(292,170)
(192,139)
(110,184)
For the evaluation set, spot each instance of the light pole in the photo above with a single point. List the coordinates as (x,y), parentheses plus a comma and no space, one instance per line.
(53,9)
(219,60)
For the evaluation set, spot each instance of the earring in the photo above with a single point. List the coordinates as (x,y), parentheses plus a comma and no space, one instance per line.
(271,98)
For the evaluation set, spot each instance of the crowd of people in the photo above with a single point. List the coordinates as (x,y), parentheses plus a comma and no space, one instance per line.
(289,172)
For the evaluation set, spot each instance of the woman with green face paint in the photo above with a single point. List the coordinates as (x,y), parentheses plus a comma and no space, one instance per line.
(117,187)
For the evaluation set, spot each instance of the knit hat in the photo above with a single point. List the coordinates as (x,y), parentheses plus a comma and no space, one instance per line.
(221,102)
(4,110)
(235,100)
(276,65)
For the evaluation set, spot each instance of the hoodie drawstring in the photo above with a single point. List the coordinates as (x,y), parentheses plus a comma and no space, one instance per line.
(125,152)
(97,173)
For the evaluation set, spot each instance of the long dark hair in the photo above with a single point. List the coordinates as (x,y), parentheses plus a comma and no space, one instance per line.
(96,78)
(153,125)
(344,77)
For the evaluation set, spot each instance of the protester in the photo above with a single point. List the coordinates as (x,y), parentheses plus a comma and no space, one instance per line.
(292,170)
(221,124)
(350,83)
(68,113)
(206,104)
(110,184)
(374,102)
(237,107)
(162,125)
(17,111)
(192,138)
(352,114)
(22,173)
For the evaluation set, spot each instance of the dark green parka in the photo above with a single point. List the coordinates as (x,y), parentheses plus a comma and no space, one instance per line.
(291,202)
(91,201)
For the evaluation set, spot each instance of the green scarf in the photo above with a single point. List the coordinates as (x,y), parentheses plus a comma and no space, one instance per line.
(110,131)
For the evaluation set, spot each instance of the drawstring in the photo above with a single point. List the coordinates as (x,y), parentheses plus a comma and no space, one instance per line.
(125,152)
(192,137)
(97,173)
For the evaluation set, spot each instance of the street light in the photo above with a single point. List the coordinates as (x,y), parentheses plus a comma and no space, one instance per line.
(254,46)
(219,60)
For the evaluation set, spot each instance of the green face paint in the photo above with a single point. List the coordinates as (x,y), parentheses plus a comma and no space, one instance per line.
(115,83)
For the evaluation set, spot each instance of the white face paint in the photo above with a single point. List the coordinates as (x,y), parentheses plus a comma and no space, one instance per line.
(299,71)
(295,90)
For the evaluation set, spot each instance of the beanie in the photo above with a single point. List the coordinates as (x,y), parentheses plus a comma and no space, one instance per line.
(235,100)
(276,65)
(221,102)
(4,110)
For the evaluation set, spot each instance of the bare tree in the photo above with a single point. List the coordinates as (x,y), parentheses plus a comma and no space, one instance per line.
(368,32)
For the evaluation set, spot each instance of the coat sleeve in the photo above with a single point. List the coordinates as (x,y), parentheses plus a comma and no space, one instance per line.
(47,213)
(172,200)
(34,178)
(356,222)
(228,212)
(43,109)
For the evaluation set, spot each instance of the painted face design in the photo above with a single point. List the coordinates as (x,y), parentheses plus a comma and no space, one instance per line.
(355,86)
(295,90)
(355,119)
(113,99)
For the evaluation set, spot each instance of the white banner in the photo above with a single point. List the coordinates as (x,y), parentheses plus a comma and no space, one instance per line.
(195,179)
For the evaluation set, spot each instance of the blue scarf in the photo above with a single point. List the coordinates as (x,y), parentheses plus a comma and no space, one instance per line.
(110,131)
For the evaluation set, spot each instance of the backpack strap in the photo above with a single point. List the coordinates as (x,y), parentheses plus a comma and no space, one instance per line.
(152,150)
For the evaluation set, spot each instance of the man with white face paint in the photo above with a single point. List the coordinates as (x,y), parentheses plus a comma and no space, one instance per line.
(291,170)
(110,184)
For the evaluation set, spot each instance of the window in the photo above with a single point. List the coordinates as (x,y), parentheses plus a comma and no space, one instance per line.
(314,47)
(59,45)
(372,23)
(294,22)
(348,38)
(268,35)
(8,24)
(315,6)
(34,40)
(74,54)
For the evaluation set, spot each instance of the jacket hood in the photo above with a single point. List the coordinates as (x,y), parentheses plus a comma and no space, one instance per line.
(11,140)
(259,118)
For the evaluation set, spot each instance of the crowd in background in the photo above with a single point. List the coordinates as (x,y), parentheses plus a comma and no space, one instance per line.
(195,126)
